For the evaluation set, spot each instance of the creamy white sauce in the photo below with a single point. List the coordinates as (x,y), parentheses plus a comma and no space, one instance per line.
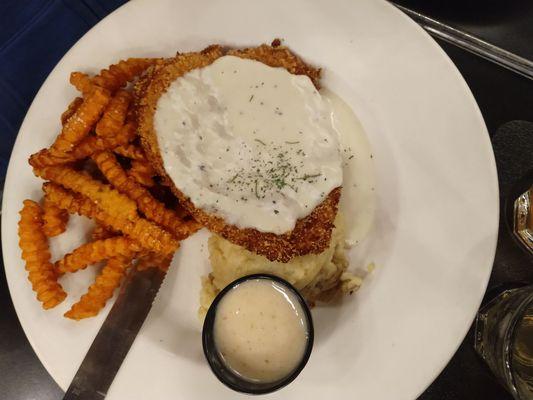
(253,144)
(358,199)
(260,330)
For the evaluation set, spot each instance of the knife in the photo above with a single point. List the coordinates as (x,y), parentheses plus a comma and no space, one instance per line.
(115,337)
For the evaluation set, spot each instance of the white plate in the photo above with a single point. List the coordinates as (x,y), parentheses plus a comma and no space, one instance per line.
(436,228)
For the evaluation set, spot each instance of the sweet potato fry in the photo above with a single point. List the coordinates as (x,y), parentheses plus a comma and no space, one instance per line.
(54,219)
(99,250)
(71,109)
(102,232)
(36,254)
(107,198)
(152,208)
(130,222)
(115,115)
(101,290)
(142,172)
(82,82)
(131,151)
(44,158)
(154,260)
(149,235)
(117,75)
(88,146)
(82,121)
(93,144)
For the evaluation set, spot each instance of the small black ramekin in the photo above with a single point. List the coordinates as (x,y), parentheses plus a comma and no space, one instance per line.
(223,372)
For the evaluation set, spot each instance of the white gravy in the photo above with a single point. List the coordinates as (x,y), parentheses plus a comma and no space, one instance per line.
(358,199)
(248,142)
(260,330)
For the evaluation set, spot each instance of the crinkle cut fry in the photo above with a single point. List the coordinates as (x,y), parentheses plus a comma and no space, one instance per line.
(93,144)
(142,172)
(54,219)
(131,151)
(101,290)
(82,82)
(43,158)
(154,260)
(102,232)
(81,122)
(117,75)
(108,199)
(94,252)
(88,146)
(152,208)
(36,254)
(149,235)
(71,109)
(115,114)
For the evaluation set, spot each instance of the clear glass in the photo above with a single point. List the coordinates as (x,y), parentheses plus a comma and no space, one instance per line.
(523,219)
(504,339)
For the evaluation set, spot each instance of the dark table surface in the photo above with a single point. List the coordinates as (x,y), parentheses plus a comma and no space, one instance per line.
(505,99)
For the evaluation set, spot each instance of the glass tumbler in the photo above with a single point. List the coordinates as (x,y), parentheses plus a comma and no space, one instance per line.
(504,339)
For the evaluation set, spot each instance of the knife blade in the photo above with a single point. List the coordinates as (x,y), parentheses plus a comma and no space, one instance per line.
(115,337)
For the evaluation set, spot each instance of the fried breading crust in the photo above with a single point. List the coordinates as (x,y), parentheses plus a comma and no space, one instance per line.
(311,234)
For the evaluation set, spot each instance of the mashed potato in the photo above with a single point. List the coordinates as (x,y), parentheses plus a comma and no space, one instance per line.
(318,277)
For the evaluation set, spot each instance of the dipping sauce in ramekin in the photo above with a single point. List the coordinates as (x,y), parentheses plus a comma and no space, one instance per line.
(258,334)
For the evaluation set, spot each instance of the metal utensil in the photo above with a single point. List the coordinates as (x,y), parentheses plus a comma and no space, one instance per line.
(472,43)
(115,337)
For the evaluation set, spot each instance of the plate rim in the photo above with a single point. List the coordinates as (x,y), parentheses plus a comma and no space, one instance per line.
(494,173)
(406,20)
